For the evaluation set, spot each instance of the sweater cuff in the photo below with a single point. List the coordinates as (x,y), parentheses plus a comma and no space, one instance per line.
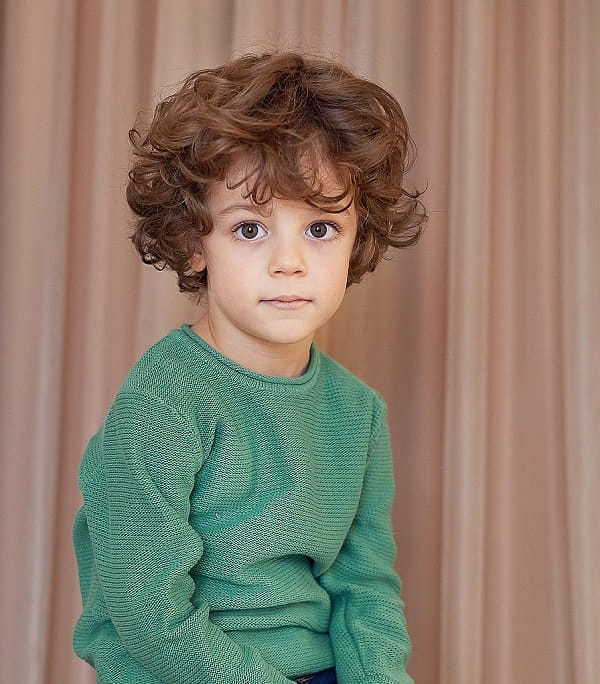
(382,678)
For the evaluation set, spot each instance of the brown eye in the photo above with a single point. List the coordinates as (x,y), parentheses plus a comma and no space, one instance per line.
(249,233)
(320,231)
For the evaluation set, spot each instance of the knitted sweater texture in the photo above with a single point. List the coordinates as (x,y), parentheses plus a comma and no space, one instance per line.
(236,527)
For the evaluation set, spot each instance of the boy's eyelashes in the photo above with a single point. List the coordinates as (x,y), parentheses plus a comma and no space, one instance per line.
(338,230)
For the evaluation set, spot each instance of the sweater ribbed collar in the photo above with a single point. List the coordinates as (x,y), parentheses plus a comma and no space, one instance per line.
(223,364)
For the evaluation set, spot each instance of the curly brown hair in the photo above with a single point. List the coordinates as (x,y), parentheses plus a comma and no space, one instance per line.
(273,108)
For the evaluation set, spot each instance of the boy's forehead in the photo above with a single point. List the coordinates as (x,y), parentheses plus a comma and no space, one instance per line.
(221,194)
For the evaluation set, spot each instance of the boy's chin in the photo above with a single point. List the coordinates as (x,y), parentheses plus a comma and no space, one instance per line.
(287,333)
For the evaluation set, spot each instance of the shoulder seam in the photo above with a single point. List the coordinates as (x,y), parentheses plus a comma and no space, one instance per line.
(149,395)
(379,416)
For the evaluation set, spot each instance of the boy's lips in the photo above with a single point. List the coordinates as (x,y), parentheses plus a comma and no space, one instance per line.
(290,304)
(288,298)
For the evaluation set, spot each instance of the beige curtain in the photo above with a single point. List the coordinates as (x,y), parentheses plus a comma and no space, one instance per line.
(484,338)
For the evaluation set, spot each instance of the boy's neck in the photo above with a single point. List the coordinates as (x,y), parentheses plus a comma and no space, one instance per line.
(291,362)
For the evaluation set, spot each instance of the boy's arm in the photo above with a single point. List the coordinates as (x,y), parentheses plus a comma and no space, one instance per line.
(368,628)
(145,547)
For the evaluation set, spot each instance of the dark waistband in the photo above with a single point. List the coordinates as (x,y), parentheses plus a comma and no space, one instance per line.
(304,679)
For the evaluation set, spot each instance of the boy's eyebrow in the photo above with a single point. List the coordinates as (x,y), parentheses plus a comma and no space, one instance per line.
(251,206)
(239,205)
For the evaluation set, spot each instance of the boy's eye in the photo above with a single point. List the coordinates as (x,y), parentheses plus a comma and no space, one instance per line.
(247,228)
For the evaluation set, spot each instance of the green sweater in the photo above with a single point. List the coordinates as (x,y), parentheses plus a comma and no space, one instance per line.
(236,527)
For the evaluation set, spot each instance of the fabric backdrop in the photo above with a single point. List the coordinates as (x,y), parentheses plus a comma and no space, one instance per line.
(483,338)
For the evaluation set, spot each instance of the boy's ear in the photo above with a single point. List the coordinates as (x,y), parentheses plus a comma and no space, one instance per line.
(198,262)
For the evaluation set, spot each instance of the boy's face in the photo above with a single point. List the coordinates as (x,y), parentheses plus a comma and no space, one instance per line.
(290,248)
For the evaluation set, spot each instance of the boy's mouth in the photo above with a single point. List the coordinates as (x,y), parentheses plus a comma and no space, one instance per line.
(288,302)
(288,298)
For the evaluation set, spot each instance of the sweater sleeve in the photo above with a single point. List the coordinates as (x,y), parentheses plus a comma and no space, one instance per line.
(144,547)
(368,628)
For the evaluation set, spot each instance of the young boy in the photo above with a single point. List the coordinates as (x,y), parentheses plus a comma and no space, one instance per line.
(236,524)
